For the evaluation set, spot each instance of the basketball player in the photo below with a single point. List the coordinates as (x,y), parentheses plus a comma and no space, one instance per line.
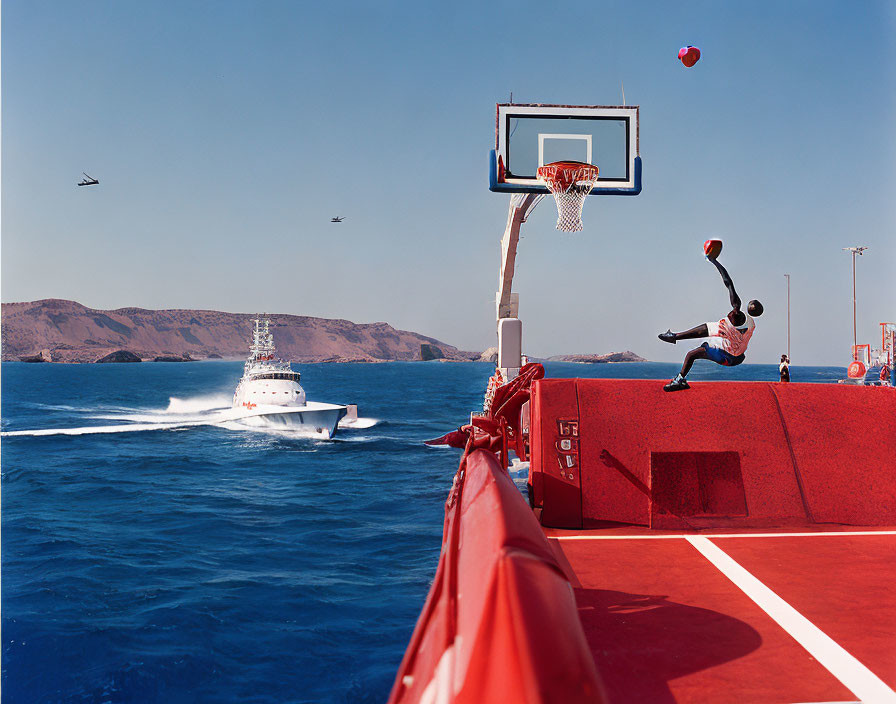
(728,338)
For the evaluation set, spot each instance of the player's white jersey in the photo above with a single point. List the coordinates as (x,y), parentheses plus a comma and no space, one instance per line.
(731,339)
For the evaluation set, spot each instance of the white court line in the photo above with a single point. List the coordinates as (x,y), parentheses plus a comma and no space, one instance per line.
(854,675)
(721,535)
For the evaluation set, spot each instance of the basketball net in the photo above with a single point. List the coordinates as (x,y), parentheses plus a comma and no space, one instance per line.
(569,182)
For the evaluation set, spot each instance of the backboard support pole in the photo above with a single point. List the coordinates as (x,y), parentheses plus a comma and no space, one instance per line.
(506,302)
(521,206)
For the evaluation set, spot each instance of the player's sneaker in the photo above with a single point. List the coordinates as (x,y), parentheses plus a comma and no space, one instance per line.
(667,336)
(679,383)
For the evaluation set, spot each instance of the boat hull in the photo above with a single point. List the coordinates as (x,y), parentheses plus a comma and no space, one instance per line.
(318,418)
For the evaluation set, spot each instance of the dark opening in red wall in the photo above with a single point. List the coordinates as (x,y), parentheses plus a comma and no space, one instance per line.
(695,484)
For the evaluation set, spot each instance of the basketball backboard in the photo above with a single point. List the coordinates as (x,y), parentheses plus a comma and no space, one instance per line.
(532,135)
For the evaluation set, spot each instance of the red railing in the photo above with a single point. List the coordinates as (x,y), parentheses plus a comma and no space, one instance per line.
(500,622)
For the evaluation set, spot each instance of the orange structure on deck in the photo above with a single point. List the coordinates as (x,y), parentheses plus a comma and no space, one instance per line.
(730,543)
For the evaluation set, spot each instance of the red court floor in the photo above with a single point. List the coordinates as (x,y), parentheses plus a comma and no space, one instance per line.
(773,617)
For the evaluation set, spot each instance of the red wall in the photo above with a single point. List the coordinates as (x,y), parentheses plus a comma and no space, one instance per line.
(796,453)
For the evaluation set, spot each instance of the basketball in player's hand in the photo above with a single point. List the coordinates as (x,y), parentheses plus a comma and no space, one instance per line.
(712,248)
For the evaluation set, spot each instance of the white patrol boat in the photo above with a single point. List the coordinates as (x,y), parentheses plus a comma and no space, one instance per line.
(270,390)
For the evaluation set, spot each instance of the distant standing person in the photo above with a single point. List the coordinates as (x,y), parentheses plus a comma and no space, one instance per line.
(784,368)
(728,338)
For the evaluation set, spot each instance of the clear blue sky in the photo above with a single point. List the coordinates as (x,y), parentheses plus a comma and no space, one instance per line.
(225,135)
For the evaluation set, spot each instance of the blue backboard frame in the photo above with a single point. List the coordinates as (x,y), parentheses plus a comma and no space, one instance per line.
(515,122)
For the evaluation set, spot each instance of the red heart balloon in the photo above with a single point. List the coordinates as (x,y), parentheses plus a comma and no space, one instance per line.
(689,55)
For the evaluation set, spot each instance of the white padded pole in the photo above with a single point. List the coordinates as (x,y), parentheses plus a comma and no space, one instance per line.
(510,343)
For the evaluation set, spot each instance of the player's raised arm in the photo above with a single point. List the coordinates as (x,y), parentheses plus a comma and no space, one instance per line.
(729,284)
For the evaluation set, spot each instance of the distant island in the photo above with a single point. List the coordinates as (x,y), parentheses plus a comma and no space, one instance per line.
(56,330)
(612,357)
(491,355)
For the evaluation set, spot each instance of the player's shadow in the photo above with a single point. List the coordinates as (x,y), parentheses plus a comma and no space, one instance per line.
(640,642)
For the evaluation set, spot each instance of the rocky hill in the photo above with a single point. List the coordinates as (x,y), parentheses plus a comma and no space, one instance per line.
(627,356)
(66,331)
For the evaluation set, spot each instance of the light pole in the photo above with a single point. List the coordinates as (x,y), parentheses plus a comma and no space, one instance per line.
(855,251)
(787,276)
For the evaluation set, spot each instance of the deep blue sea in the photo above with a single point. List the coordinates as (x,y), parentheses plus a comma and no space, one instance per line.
(215,563)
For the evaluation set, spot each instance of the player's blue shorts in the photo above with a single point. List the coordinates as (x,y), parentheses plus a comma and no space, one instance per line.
(720,356)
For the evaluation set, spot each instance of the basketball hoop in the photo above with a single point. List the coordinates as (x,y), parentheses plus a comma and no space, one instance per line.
(569,182)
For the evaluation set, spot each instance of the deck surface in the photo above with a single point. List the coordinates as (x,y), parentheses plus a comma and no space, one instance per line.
(793,616)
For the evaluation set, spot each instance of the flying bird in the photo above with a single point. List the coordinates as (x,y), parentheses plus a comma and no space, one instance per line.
(88,180)
(337,219)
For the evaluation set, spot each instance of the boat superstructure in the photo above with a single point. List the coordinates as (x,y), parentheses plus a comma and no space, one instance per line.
(270,388)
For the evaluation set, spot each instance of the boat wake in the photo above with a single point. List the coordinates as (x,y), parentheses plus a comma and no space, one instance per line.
(99,429)
(181,414)
(197,404)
